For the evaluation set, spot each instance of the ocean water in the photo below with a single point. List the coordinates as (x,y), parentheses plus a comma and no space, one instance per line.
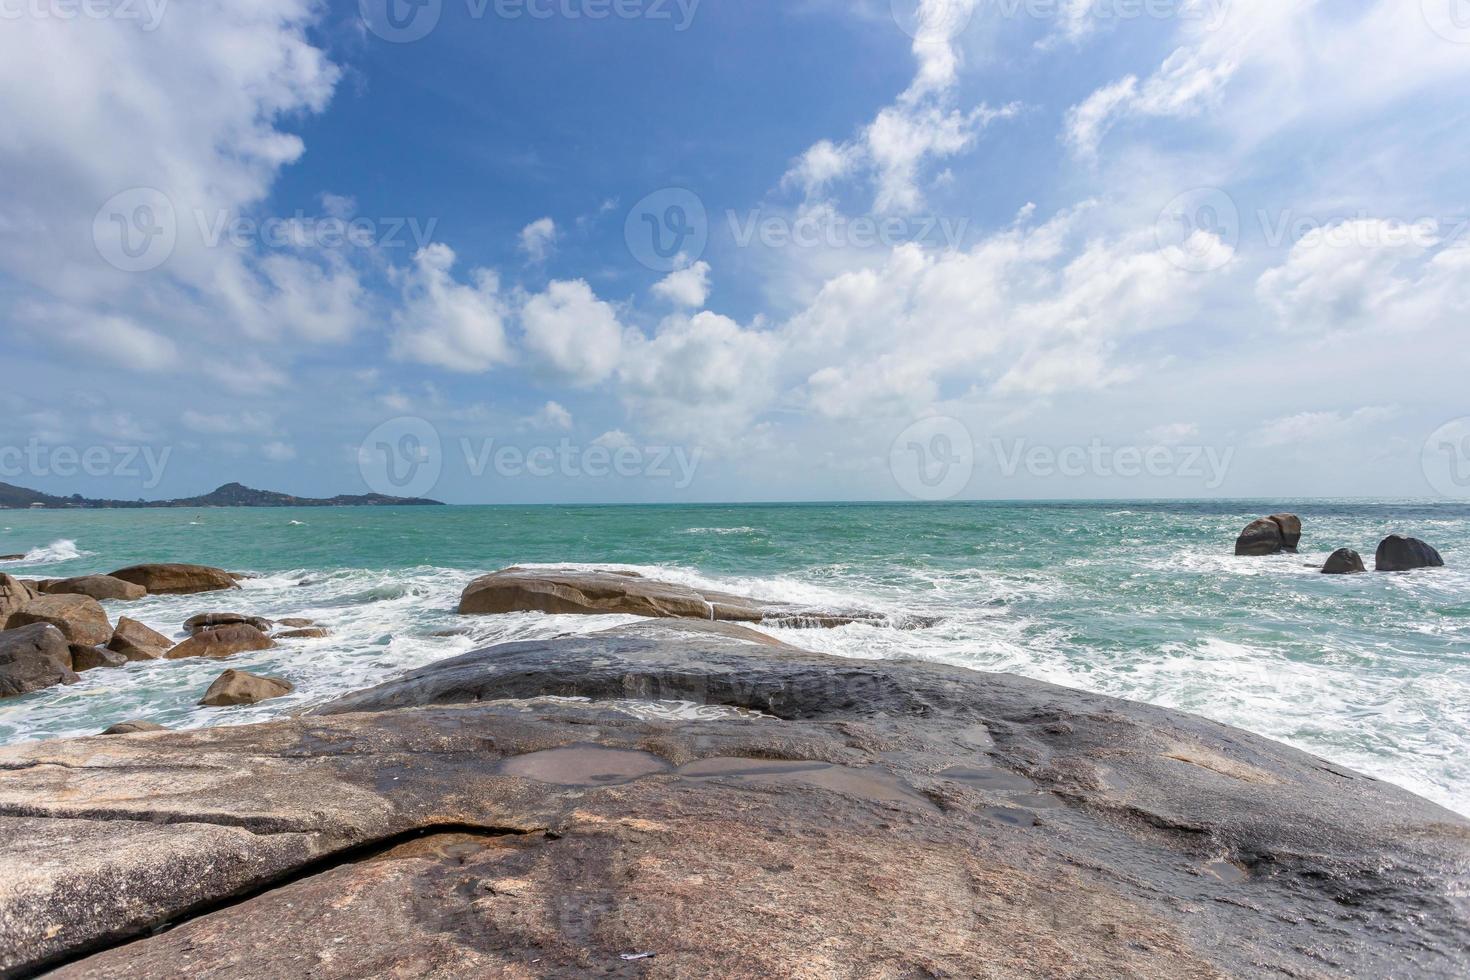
(1137,600)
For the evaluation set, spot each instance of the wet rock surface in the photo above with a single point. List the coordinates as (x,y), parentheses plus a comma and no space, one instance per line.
(221,642)
(600,592)
(95,586)
(236,687)
(136,641)
(80,618)
(33,657)
(1344,561)
(1270,536)
(177,578)
(886,819)
(1397,553)
(208,621)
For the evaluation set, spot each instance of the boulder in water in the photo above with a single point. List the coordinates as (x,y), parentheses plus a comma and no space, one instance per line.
(138,642)
(90,658)
(235,687)
(33,657)
(1270,536)
(177,578)
(1344,561)
(80,618)
(1400,554)
(132,728)
(225,641)
(209,621)
(95,586)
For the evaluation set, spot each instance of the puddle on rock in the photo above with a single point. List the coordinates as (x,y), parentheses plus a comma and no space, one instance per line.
(1227,871)
(1011,786)
(584,765)
(869,782)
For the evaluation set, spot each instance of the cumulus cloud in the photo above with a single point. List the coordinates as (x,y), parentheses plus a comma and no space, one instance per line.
(446,323)
(685,287)
(225,422)
(552,415)
(1315,427)
(571,333)
(538,239)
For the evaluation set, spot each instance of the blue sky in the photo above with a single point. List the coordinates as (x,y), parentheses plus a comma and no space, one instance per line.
(1016,248)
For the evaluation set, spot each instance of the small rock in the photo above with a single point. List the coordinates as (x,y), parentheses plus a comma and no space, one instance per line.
(133,728)
(226,641)
(137,642)
(11,557)
(95,586)
(80,618)
(33,657)
(1400,554)
(177,579)
(1344,561)
(90,658)
(295,623)
(209,621)
(235,687)
(310,633)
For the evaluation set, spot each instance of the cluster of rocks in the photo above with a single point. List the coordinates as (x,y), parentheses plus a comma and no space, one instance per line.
(53,629)
(1282,533)
(604,592)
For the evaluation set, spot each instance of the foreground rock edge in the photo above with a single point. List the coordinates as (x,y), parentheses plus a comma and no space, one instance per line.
(1144,810)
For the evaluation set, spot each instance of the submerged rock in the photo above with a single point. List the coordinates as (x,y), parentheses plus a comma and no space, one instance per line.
(209,621)
(883,819)
(1400,554)
(95,586)
(235,687)
(80,618)
(304,633)
(33,657)
(138,642)
(1270,536)
(224,641)
(1344,561)
(177,578)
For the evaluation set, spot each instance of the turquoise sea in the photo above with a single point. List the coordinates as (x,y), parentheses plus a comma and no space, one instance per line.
(1137,600)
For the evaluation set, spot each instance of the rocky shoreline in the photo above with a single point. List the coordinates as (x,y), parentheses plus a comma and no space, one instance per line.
(513,812)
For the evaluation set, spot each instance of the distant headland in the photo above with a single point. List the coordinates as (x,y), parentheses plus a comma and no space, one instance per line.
(229,495)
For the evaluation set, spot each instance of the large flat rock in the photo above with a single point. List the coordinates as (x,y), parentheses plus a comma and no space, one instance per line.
(880,819)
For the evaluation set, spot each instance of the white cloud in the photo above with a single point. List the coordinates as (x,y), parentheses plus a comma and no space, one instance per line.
(448,324)
(222,423)
(615,439)
(278,452)
(572,333)
(552,415)
(687,287)
(538,239)
(1314,427)
(118,340)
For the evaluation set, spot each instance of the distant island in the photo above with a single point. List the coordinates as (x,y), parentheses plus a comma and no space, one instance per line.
(229,495)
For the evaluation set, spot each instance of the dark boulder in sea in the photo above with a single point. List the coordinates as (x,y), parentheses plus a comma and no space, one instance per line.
(1344,561)
(12,557)
(883,818)
(1270,536)
(90,658)
(225,641)
(132,728)
(235,687)
(138,642)
(33,657)
(209,621)
(80,618)
(177,578)
(95,586)
(1400,554)
(606,591)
